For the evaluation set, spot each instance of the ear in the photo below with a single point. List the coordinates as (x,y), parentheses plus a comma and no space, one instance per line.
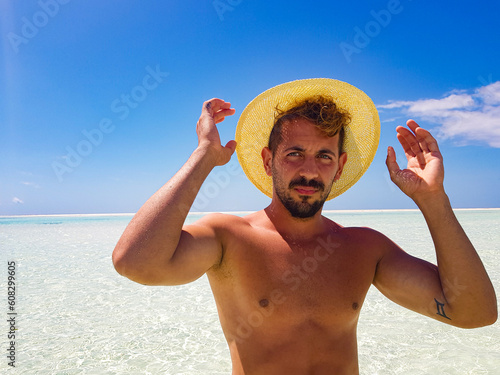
(267,159)
(342,161)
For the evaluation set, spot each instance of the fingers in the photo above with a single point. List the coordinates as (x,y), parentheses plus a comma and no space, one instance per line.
(410,145)
(218,109)
(231,146)
(221,115)
(416,142)
(391,162)
(428,142)
(425,140)
(213,105)
(412,125)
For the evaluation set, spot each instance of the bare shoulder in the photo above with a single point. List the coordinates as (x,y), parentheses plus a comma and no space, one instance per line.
(229,232)
(360,234)
(222,225)
(369,239)
(365,234)
(387,258)
(220,221)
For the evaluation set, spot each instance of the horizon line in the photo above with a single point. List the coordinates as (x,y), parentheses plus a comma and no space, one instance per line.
(249,212)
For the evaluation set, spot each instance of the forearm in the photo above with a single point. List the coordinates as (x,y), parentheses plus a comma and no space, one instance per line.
(150,239)
(465,283)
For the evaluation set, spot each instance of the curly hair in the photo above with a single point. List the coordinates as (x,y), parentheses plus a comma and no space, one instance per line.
(320,110)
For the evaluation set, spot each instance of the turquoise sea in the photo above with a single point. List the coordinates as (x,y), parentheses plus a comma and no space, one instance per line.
(76,315)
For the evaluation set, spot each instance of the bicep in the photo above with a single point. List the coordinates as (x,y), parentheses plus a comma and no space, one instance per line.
(198,250)
(412,283)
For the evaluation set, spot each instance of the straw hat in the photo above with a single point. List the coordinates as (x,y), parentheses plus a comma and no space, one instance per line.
(361,135)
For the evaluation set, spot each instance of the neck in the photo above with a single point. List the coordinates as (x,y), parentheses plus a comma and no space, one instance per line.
(292,227)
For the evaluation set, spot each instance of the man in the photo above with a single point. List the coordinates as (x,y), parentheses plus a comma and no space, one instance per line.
(288,282)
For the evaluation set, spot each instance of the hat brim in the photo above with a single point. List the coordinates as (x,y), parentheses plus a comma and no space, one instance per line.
(257,119)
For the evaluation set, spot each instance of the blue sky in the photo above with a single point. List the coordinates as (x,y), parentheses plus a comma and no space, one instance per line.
(99,100)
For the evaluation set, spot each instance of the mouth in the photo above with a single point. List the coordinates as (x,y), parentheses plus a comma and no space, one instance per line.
(305,190)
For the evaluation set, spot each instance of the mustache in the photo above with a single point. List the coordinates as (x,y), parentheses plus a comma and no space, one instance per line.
(301,181)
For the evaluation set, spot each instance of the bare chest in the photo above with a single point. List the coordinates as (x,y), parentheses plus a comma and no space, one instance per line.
(324,279)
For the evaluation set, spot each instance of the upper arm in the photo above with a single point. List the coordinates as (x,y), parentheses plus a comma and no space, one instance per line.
(411,282)
(199,249)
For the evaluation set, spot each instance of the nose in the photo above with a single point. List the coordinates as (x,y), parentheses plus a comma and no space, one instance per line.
(309,169)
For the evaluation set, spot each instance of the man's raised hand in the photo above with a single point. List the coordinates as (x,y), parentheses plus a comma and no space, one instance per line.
(424,174)
(213,112)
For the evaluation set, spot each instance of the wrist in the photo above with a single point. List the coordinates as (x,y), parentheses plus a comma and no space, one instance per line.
(215,153)
(207,152)
(203,158)
(432,201)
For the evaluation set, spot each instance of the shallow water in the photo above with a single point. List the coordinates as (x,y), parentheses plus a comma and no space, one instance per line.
(76,315)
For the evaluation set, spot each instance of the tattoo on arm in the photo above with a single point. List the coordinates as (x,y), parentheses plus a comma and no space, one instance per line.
(440,309)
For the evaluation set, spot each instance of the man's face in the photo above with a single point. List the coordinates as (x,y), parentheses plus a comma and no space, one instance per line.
(304,167)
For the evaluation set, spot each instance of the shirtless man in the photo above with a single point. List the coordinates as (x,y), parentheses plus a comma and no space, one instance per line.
(288,282)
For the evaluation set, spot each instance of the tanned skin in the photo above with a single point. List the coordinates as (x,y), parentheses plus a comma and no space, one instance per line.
(289,290)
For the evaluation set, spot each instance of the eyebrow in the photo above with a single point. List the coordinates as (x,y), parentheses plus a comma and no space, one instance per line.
(298,148)
(294,148)
(326,151)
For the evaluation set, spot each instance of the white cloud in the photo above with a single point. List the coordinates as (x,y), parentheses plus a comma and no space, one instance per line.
(466,117)
(17,200)
(32,184)
(490,93)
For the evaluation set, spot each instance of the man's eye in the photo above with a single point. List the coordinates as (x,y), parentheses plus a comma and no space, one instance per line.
(325,156)
(295,153)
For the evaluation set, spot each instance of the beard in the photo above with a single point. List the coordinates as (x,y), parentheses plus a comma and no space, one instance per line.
(306,207)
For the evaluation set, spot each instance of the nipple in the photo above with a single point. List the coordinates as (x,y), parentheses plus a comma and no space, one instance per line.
(264,302)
